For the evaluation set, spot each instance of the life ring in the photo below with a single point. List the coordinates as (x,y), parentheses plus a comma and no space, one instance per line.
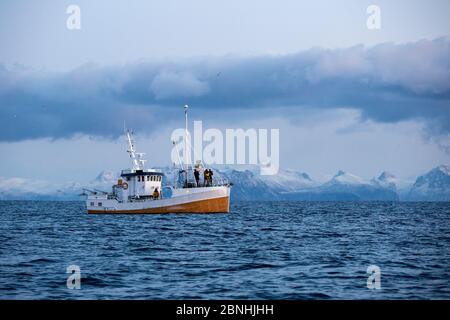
(125,186)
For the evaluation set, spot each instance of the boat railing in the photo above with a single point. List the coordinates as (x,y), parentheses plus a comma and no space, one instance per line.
(215,183)
(187,180)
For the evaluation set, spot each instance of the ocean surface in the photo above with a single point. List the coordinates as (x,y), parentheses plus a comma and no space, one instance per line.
(262,250)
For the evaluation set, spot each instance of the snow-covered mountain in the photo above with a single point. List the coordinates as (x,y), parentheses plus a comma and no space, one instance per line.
(347,187)
(432,186)
(106,177)
(28,189)
(18,188)
(344,178)
(248,184)
(386,180)
(289,180)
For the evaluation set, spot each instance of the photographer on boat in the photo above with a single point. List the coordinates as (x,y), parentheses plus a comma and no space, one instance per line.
(210,177)
(206,177)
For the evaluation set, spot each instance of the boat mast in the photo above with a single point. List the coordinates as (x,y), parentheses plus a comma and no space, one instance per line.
(187,159)
(186,152)
(136,157)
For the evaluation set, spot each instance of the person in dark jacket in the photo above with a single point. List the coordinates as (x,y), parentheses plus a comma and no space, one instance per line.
(197,176)
(210,177)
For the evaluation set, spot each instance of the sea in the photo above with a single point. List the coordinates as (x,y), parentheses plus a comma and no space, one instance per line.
(260,250)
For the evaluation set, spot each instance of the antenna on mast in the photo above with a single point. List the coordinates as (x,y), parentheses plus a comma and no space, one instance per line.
(187,159)
(136,157)
(186,155)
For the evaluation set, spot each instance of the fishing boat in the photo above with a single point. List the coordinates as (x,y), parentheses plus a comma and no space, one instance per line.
(141,190)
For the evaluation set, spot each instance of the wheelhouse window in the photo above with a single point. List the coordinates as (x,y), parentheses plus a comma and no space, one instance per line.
(100,204)
(92,204)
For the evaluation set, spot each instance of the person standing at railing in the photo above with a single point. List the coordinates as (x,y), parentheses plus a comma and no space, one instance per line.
(211,177)
(197,176)
(206,177)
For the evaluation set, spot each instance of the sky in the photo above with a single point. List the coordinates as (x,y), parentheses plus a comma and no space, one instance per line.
(343,96)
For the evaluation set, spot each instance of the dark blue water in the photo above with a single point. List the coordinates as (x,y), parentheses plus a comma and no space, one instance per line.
(273,250)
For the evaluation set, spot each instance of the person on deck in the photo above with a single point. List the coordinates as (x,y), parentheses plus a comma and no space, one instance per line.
(210,177)
(156,194)
(197,176)
(206,177)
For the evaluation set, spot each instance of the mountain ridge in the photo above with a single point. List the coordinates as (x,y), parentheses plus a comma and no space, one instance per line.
(433,185)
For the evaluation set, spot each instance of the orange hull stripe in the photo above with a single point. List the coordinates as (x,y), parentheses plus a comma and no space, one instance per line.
(217,205)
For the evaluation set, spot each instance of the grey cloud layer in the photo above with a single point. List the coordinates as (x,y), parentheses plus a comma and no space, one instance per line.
(387,83)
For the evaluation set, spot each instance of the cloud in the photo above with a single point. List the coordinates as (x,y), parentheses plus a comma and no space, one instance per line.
(168,85)
(386,83)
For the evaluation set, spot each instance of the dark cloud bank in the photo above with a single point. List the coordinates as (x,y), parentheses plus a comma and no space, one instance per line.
(387,83)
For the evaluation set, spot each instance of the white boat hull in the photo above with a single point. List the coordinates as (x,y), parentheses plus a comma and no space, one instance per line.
(186,200)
